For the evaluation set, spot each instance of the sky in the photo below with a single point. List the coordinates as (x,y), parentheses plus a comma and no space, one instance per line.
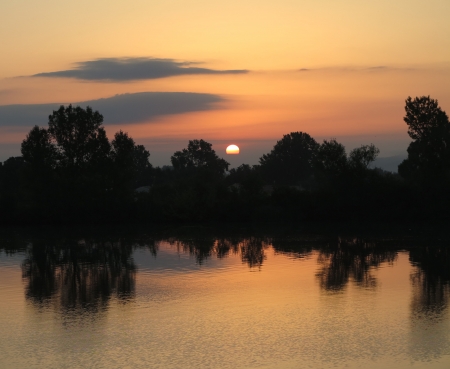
(229,72)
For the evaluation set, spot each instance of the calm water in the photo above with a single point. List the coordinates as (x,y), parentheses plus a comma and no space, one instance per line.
(217,301)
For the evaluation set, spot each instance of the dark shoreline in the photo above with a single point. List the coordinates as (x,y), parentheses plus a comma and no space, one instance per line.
(406,230)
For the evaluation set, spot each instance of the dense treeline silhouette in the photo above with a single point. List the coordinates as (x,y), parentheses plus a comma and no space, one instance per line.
(71,173)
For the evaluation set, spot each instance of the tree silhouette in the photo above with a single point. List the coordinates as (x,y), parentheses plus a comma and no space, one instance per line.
(79,136)
(38,150)
(332,157)
(199,154)
(67,164)
(11,173)
(130,162)
(331,165)
(291,160)
(428,161)
(361,157)
(73,171)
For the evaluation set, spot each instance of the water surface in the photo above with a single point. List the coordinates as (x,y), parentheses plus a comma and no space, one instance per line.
(208,301)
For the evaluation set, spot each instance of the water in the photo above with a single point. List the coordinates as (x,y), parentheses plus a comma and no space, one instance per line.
(196,301)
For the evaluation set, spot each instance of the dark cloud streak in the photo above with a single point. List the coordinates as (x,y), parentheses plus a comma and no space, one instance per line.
(119,109)
(132,69)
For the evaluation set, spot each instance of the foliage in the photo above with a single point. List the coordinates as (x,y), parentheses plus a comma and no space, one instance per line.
(291,160)
(331,157)
(71,168)
(38,150)
(79,137)
(361,157)
(199,154)
(425,118)
(428,162)
(130,161)
(70,172)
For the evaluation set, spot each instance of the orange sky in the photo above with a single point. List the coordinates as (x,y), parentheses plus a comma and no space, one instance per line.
(331,69)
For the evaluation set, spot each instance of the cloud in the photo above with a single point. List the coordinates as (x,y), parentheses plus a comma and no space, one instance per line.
(380,67)
(7,92)
(132,69)
(377,68)
(119,109)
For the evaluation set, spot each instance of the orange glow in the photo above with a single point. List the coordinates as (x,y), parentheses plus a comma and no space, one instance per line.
(232,150)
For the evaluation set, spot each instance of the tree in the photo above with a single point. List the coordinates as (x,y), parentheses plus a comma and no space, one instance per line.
(199,154)
(291,160)
(79,137)
(425,118)
(10,183)
(361,157)
(40,189)
(38,150)
(74,140)
(67,165)
(331,165)
(332,158)
(428,159)
(248,178)
(130,161)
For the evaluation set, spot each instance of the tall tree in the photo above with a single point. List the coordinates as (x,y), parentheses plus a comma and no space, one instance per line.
(79,136)
(428,159)
(68,163)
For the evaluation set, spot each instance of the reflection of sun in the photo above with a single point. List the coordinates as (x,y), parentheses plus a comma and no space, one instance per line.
(232,149)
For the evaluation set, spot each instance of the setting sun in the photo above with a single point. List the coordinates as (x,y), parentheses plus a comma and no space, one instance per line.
(233,150)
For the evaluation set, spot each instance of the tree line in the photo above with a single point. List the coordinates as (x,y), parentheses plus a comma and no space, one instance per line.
(70,173)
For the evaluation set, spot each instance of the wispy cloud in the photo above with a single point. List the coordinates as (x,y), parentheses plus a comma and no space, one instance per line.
(132,69)
(6,92)
(119,109)
(377,68)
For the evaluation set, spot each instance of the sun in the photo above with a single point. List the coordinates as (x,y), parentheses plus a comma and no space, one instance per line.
(233,150)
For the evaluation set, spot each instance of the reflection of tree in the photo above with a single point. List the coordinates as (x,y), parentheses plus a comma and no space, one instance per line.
(78,274)
(351,259)
(226,246)
(12,242)
(431,281)
(200,248)
(250,248)
(294,247)
(252,251)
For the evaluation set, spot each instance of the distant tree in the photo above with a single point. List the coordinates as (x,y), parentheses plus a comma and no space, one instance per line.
(291,160)
(199,154)
(331,157)
(362,156)
(428,159)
